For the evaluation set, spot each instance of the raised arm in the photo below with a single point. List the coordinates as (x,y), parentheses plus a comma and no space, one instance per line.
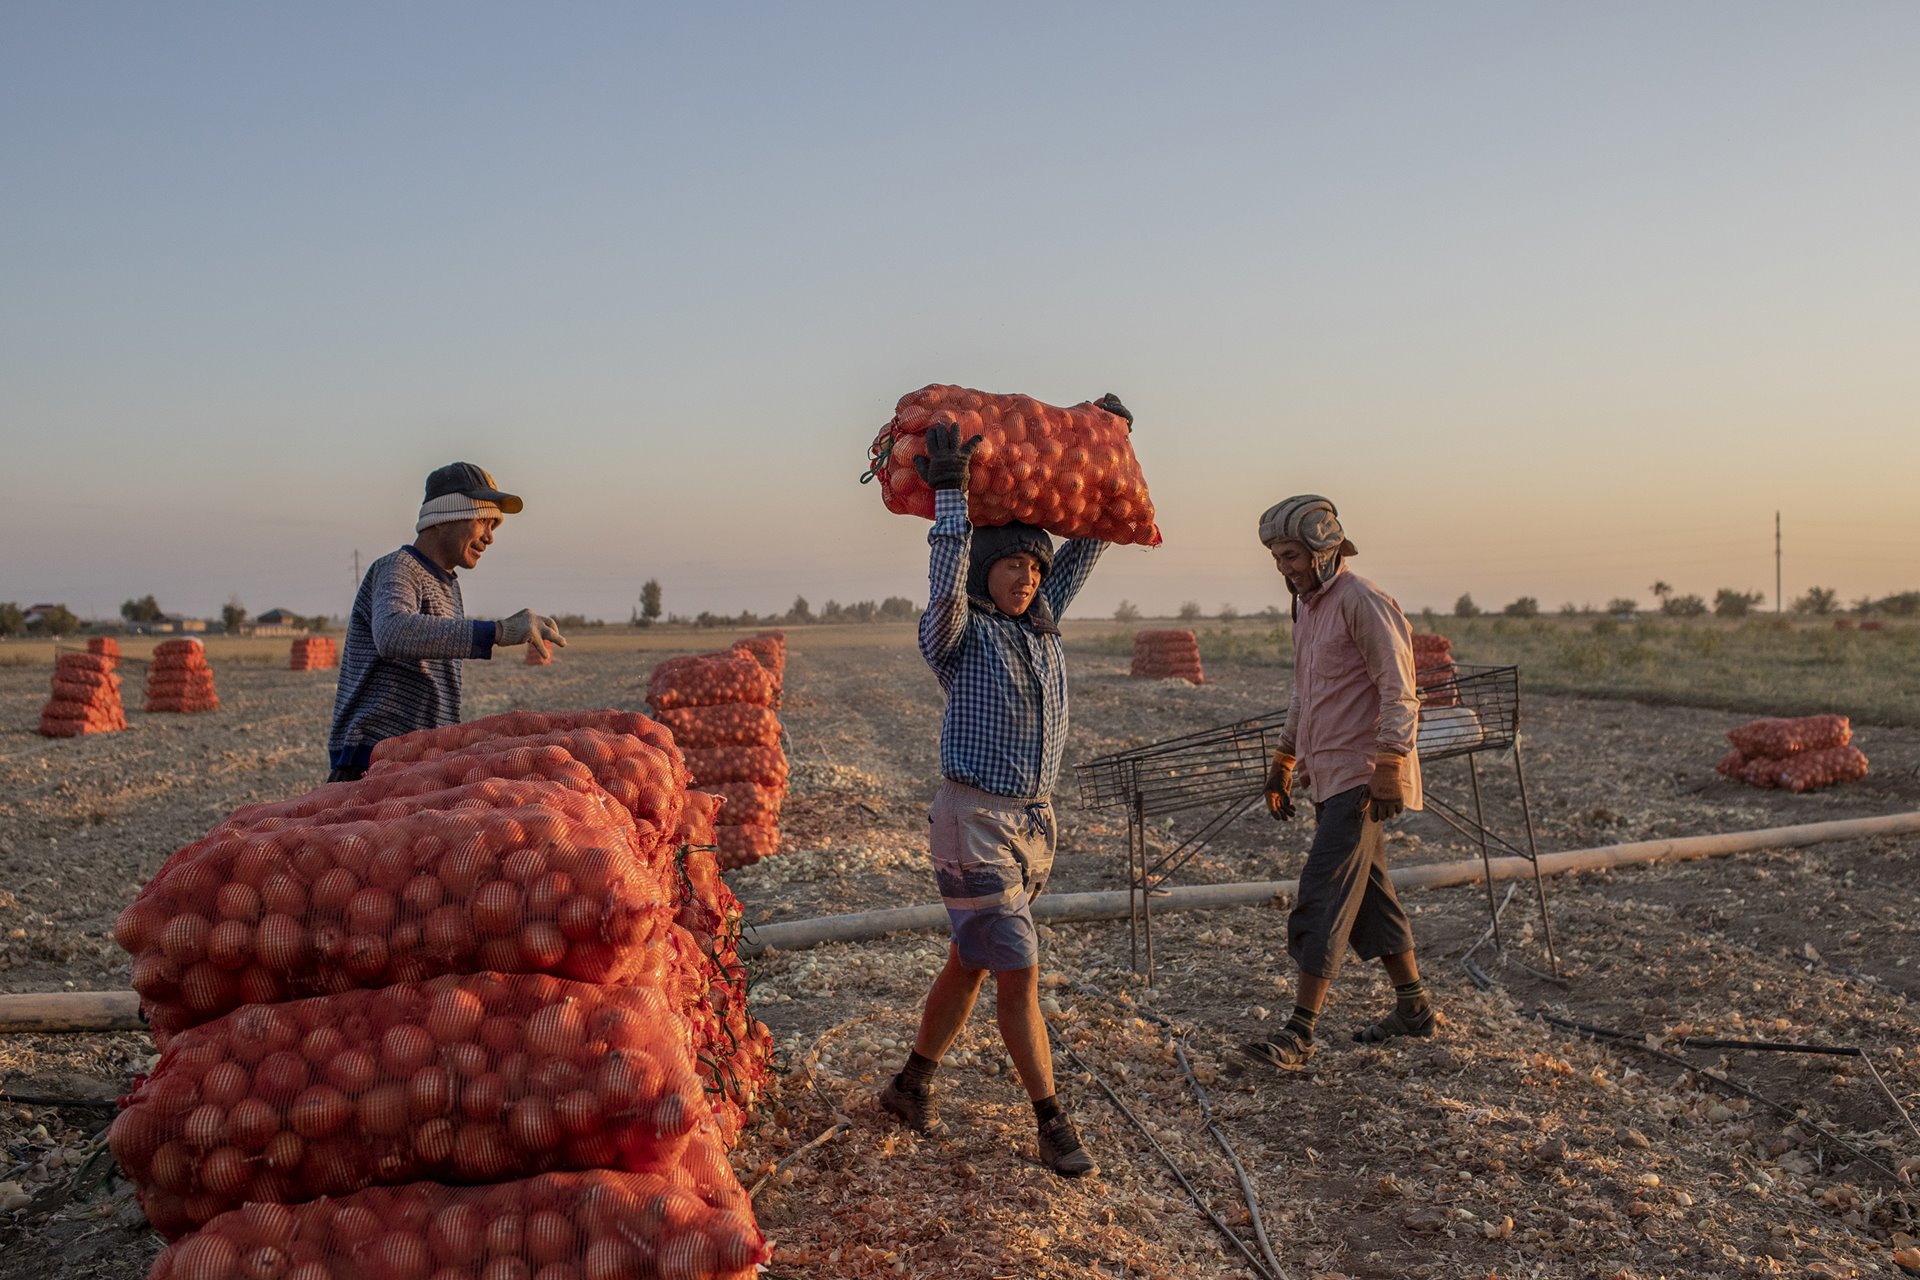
(944,625)
(1070,571)
(402,633)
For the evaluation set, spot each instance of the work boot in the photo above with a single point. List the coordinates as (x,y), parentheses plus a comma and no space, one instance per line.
(914,1108)
(1060,1149)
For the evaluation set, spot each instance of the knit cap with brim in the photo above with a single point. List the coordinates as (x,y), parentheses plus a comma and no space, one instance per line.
(994,543)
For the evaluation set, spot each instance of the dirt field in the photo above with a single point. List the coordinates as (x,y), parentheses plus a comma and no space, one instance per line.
(1506,1147)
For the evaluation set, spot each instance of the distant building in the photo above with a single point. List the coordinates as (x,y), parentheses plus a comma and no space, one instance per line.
(175,623)
(280,618)
(38,613)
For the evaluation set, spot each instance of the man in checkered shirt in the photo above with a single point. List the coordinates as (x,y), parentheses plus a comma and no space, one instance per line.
(992,637)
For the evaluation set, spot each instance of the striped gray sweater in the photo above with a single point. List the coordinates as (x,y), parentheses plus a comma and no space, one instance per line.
(400,667)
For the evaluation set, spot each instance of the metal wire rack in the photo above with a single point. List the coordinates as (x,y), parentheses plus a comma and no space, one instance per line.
(1465,710)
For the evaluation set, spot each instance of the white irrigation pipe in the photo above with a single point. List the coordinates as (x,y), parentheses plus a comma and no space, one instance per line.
(57,1011)
(797,935)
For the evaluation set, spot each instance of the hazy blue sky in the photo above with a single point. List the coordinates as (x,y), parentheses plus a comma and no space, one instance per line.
(1552,300)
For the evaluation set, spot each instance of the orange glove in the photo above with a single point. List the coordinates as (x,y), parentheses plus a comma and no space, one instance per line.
(1388,772)
(1280,786)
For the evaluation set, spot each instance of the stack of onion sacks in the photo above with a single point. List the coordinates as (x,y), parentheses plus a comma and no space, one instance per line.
(496,884)
(720,708)
(1797,753)
(1167,655)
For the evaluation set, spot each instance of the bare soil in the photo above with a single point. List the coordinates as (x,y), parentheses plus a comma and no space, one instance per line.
(1504,1147)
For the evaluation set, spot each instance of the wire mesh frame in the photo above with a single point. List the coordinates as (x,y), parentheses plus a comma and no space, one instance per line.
(1466,709)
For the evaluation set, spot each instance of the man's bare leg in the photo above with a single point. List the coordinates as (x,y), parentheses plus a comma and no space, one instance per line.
(1023,1030)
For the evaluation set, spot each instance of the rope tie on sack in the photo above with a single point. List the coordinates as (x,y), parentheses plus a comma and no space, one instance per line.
(880,451)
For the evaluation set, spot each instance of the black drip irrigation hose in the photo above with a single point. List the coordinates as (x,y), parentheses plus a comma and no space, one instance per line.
(1254,1263)
(1610,1035)
(46,1100)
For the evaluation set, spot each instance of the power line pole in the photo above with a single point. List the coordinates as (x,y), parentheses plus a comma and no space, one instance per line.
(1776,562)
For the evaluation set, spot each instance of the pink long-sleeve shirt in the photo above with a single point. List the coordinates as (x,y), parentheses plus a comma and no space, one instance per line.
(1353,690)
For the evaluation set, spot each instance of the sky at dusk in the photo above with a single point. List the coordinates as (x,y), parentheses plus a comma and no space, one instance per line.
(1551,300)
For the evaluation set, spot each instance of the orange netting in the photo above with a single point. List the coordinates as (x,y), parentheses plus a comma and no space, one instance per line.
(425,743)
(1167,655)
(764,765)
(769,648)
(313,653)
(719,706)
(536,658)
(179,679)
(1801,753)
(390,900)
(86,697)
(688,1221)
(1070,471)
(1435,673)
(649,779)
(471,1078)
(105,646)
(512,877)
(733,724)
(710,679)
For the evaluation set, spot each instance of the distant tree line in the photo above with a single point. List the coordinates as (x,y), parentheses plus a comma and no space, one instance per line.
(1728,602)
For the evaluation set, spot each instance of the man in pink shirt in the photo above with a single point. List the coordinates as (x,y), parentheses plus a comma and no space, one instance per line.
(1350,732)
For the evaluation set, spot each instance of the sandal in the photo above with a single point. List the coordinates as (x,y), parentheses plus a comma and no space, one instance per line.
(1420,1025)
(1286,1050)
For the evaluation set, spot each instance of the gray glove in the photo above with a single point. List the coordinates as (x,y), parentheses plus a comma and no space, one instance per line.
(529,628)
(945,463)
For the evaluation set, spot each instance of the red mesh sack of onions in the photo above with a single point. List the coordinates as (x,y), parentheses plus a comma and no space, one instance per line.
(743,844)
(750,802)
(647,779)
(682,1222)
(1070,471)
(474,1078)
(421,743)
(770,649)
(697,819)
(764,765)
(732,724)
(1782,737)
(514,877)
(709,679)
(395,782)
(1811,770)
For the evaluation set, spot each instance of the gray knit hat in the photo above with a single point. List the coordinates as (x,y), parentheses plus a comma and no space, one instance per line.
(1311,521)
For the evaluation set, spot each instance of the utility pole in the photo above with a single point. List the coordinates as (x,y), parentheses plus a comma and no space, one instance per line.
(1776,563)
(356,564)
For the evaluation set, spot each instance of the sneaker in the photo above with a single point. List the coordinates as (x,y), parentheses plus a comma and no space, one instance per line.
(915,1110)
(1060,1149)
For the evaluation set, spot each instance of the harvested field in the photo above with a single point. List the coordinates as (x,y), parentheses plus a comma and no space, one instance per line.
(1506,1147)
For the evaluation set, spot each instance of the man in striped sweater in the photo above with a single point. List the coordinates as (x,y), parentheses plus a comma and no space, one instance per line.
(400,668)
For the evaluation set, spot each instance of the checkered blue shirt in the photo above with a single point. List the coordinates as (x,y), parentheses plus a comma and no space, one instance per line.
(1005,727)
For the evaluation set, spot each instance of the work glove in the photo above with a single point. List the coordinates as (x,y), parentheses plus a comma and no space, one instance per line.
(529,628)
(1280,787)
(1111,403)
(945,463)
(1384,791)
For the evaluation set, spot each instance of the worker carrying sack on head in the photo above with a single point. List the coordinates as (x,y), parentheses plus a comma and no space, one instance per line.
(991,634)
(1350,730)
(407,635)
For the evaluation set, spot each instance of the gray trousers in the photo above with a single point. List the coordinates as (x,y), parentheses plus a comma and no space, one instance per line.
(1346,897)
